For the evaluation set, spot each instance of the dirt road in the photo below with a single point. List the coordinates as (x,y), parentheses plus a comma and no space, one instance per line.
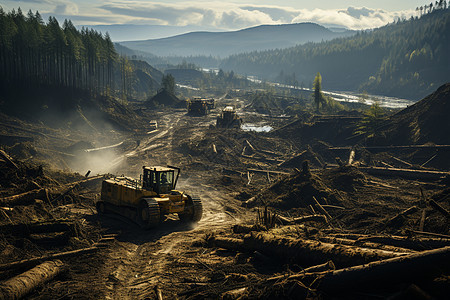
(140,260)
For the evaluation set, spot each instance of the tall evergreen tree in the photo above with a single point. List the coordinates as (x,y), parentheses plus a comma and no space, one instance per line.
(168,83)
(319,98)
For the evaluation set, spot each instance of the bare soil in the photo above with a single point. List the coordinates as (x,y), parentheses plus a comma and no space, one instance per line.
(226,169)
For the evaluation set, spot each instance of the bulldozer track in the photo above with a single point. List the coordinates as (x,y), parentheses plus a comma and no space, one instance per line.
(198,209)
(149,215)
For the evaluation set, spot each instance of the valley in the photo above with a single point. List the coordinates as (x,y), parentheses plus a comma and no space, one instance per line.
(277,159)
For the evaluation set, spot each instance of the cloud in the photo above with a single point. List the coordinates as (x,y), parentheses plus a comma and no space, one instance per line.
(212,14)
(68,8)
(222,15)
(278,14)
(57,7)
(33,1)
(352,17)
(236,16)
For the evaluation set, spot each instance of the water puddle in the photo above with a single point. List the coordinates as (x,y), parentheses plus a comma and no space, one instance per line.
(256,127)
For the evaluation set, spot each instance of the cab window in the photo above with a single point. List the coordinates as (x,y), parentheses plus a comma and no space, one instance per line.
(166,178)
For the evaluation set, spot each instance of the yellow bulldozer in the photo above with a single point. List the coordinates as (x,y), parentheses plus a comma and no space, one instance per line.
(148,200)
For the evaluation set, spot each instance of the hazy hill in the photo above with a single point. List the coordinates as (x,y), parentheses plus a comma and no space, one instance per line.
(127,32)
(406,59)
(144,80)
(226,43)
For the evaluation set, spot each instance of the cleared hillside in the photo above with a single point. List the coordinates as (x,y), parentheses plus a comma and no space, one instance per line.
(424,122)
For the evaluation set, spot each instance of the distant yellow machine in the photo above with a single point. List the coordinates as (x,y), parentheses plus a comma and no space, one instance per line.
(148,200)
(228,118)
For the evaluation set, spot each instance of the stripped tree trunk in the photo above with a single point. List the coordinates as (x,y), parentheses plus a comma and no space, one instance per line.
(24,198)
(415,266)
(23,284)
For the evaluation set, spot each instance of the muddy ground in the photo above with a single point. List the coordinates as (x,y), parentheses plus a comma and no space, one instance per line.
(237,174)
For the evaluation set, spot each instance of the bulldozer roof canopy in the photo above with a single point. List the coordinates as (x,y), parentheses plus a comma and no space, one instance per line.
(159,169)
(229,108)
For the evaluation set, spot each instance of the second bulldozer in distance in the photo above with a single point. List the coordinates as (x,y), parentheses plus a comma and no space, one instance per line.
(228,119)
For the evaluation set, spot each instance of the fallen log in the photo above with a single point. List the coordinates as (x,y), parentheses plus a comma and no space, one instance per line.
(409,243)
(417,266)
(406,173)
(158,293)
(24,198)
(380,184)
(401,161)
(250,145)
(250,202)
(267,171)
(309,252)
(437,235)
(303,252)
(34,261)
(23,284)
(422,219)
(321,208)
(351,157)
(249,177)
(384,148)
(397,218)
(8,159)
(104,148)
(439,208)
(333,206)
(299,220)
(359,243)
(243,151)
(352,236)
(227,243)
(430,159)
(387,165)
(269,152)
(234,294)
(2,210)
(328,266)
(82,184)
(24,229)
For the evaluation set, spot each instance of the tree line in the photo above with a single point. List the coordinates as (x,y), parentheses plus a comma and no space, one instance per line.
(441,4)
(35,53)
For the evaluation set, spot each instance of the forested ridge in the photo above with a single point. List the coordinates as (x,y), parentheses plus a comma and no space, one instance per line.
(35,54)
(408,58)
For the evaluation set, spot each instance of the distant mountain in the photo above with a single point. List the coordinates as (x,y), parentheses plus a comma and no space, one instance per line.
(127,32)
(122,50)
(223,44)
(409,59)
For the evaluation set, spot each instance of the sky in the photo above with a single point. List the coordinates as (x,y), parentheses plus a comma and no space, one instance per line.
(222,15)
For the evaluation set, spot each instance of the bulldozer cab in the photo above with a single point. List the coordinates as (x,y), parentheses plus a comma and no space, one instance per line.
(159,179)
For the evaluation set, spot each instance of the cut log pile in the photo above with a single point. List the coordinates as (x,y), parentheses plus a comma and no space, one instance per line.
(337,263)
(35,222)
(310,228)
